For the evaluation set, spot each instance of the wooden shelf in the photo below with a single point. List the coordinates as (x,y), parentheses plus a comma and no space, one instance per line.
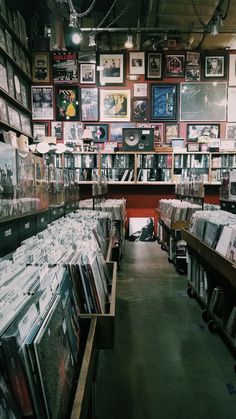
(172,225)
(215,260)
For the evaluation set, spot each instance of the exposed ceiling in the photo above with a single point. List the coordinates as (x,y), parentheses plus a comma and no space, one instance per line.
(153,23)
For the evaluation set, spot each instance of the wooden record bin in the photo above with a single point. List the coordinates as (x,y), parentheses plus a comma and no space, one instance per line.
(100,335)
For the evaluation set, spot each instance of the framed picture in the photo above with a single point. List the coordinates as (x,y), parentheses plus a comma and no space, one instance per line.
(10,79)
(193,147)
(153,65)
(174,65)
(164,102)
(87,73)
(26,124)
(116,131)
(139,110)
(231,104)
(72,133)
(214,66)
(67,103)
(56,130)
(140,89)
(193,58)
(171,131)
(99,132)
(42,102)
(14,117)
(158,133)
(136,63)
(203,101)
(194,131)
(40,67)
(231,131)
(112,68)
(192,73)
(3,111)
(232,70)
(40,130)
(89,104)
(65,67)
(115,105)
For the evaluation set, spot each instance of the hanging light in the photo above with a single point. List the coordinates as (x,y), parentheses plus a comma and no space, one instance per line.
(129,43)
(215,30)
(77,36)
(92,41)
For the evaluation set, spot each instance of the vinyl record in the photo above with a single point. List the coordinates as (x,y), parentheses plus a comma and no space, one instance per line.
(132,138)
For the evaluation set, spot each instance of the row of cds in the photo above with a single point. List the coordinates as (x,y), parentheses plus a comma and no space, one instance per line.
(44,287)
(217,229)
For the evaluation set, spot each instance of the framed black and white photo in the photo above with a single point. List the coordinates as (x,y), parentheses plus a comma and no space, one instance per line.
(194,131)
(89,104)
(139,110)
(65,67)
(193,58)
(214,66)
(40,130)
(99,132)
(140,89)
(87,73)
(232,69)
(3,111)
(14,117)
(153,65)
(56,130)
(158,133)
(111,68)
(41,67)
(42,102)
(136,63)
(26,124)
(231,131)
(174,65)
(72,133)
(203,101)
(115,105)
(192,73)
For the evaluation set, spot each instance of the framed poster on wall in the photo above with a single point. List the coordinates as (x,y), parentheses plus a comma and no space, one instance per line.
(67,103)
(153,65)
(164,102)
(115,105)
(203,101)
(42,102)
(111,68)
(40,67)
(89,104)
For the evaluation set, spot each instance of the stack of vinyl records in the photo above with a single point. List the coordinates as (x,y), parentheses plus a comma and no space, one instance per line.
(177,210)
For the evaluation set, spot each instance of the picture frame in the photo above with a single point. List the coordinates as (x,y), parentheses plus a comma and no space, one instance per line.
(14,117)
(231,131)
(193,58)
(140,89)
(214,66)
(232,70)
(87,73)
(231,115)
(89,104)
(56,130)
(136,62)
(3,111)
(164,100)
(40,130)
(153,65)
(41,67)
(171,131)
(194,131)
(116,131)
(67,103)
(158,133)
(139,110)
(193,147)
(72,133)
(112,68)
(64,67)
(203,101)
(174,65)
(99,132)
(42,102)
(26,124)
(192,73)
(114,105)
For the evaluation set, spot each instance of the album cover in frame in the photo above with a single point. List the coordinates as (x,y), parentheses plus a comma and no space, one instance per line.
(153,65)
(87,73)
(89,103)
(40,130)
(137,62)
(42,102)
(164,102)
(115,105)
(214,66)
(65,67)
(139,110)
(174,65)
(99,132)
(112,68)
(194,131)
(67,103)
(171,131)
(41,67)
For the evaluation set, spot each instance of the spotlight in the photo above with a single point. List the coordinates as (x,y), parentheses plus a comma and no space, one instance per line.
(129,42)
(215,30)
(76,37)
(92,41)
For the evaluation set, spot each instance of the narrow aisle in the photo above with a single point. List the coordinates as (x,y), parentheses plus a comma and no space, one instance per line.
(165,364)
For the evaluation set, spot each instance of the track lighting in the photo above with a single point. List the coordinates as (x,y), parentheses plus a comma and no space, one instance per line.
(215,30)
(92,41)
(129,43)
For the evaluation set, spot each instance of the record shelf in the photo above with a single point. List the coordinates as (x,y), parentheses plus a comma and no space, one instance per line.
(215,275)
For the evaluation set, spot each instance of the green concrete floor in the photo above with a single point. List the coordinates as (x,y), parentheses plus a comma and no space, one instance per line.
(165,364)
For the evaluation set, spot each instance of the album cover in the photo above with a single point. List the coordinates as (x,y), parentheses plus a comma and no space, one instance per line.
(65,67)
(54,362)
(141,229)
(3,111)
(8,179)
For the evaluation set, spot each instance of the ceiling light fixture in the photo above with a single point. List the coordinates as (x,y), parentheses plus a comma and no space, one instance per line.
(92,40)
(129,43)
(76,36)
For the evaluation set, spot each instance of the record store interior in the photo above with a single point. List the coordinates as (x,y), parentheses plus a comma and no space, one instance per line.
(117,209)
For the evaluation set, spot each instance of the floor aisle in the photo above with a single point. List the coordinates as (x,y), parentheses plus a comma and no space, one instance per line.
(166,364)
